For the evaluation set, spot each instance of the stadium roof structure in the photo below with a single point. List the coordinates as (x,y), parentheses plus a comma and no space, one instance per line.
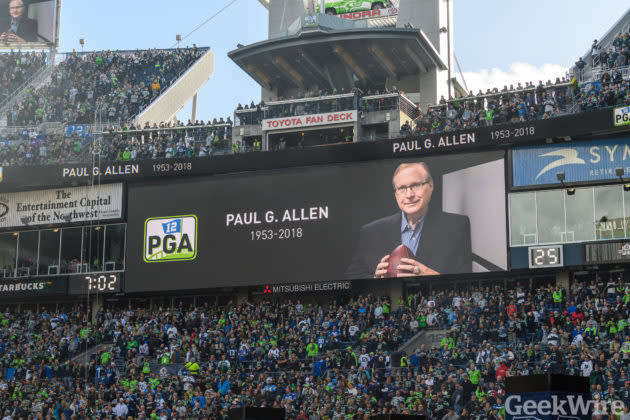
(264,3)
(336,58)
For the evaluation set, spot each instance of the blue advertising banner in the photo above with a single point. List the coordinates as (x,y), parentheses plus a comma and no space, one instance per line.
(580,162)
(79,130)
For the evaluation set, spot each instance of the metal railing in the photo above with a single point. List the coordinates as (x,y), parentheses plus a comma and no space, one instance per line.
(408,108)
(597,73)
(251,116)
(306,106)
(592,62)
(13,131)
(487,98)
(164,130)
(296,107)
(384,102)
(323,104)
(62,56)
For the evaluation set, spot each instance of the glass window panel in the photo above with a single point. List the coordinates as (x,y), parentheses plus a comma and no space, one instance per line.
(115,247)
(523,219)
(609,222)
(550,208)
(49,252)
(579,216)
(93,248)
(8,249)
(71,250)
(27,254)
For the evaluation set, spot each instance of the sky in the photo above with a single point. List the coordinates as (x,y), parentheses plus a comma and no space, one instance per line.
(497,42)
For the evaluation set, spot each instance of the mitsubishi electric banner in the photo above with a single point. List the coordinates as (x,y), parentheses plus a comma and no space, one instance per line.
(61,205)
(580,162)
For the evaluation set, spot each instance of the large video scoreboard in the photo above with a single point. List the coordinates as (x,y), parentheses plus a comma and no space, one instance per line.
(320,223)
(329,214)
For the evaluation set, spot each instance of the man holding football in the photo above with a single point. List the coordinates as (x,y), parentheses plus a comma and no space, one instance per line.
(420,240)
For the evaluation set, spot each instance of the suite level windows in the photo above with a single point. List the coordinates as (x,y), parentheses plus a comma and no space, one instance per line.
(559,216)
(61,251)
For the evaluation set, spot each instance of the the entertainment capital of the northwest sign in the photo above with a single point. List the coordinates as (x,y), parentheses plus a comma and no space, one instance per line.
(61,206)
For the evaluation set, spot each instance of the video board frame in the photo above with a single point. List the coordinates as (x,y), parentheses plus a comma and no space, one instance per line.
(29,24)
(275,220)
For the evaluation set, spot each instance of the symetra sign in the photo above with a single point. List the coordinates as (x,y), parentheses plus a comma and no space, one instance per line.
(169,239)
(581,162)
(309,120)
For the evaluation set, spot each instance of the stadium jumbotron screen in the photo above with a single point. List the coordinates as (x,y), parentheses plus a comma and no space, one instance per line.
(24,22)
(320,223)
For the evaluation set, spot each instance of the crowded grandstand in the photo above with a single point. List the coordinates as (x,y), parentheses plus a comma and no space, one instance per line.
(152,268)
(322,361)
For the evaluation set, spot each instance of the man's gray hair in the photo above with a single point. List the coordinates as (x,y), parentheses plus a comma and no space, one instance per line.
(410,164)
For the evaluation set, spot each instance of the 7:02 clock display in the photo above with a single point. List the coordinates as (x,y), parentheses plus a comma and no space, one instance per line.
(95,283)
(545,256)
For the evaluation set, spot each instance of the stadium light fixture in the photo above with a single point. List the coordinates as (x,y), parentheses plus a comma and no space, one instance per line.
(561,177)
(178,38)
(619,172)
(82,43)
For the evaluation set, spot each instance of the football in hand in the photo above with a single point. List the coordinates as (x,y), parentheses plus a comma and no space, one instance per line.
(394,259)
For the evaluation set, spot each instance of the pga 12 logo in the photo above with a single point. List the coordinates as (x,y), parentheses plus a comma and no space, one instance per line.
(168,239)
(622,116)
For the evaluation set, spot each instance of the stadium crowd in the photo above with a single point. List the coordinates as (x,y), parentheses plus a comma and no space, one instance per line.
(33,148)
(333,361)
(616,55)
(121,84)
(17,67)
(166,140)
(117,84)
(527,103)
(509,105)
